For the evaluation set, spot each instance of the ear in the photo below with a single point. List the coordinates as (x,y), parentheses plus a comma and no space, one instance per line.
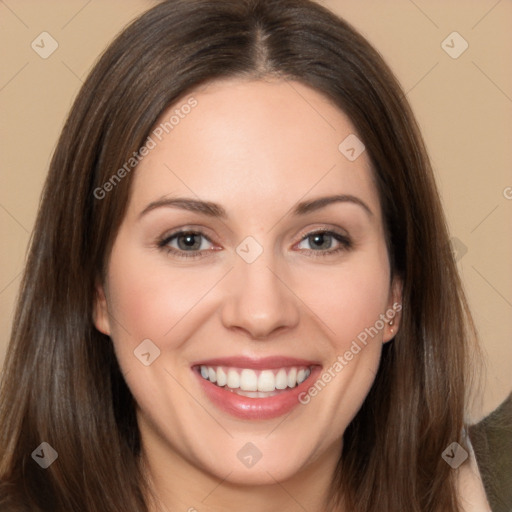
(100,310)
(394,310)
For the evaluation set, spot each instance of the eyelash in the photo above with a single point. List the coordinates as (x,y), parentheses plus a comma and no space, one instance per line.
(163,244)
(344,241)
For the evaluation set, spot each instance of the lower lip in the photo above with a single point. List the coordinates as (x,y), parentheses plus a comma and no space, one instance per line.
(248,408)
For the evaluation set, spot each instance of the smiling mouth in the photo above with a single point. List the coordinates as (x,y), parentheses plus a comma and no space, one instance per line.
(253,383)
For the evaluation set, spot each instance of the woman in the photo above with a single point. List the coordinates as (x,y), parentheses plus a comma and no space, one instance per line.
(240,291)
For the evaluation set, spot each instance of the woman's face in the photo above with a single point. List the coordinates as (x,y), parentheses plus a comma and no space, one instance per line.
(257,296)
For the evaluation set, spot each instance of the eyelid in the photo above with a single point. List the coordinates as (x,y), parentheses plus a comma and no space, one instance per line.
(164,241)
(172,234)
(319,228)
(344,240)
(322,228)
(188,228)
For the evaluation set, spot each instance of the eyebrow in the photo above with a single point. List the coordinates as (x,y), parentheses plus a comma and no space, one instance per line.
(215,210)
(316,204)
(185,203)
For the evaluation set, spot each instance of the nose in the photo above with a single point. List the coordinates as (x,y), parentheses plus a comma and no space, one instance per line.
(258,300)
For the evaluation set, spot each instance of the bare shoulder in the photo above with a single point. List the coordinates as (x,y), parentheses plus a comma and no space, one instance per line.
(470,487)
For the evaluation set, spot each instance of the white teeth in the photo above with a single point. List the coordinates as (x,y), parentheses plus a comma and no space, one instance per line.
(221,377)
(281,379)
(292,377)
(248,380)
(266,381)
(233,379)
(254,382)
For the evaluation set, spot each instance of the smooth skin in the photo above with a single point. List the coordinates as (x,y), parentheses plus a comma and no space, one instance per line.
(256,148)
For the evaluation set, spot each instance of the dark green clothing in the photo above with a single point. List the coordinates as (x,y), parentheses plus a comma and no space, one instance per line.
(491,439)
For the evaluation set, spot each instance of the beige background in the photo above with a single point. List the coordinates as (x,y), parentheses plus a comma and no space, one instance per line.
(464,107)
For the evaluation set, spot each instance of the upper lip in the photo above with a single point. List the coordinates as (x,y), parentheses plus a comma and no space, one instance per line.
(261,363)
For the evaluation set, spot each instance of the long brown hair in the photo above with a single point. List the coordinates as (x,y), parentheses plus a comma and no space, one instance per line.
(62,383)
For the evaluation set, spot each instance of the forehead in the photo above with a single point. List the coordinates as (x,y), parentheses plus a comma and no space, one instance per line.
(250,143)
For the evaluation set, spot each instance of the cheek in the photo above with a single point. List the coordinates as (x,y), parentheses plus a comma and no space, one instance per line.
(148,297)
(350,297)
